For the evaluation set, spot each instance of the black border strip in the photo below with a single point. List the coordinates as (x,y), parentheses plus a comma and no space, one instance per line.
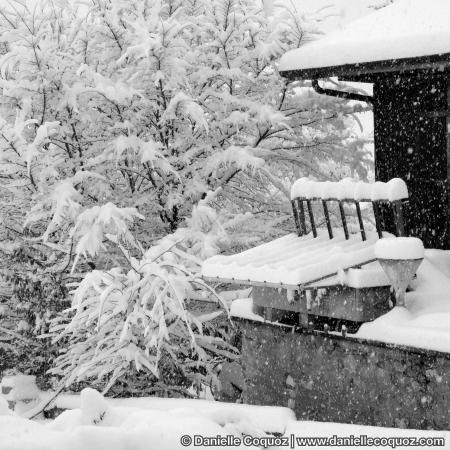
(439,63)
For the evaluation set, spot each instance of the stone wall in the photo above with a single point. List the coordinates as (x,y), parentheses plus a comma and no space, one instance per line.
(336,379)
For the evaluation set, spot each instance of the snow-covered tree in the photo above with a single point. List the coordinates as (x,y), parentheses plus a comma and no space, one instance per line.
(119,107)
(134,317)
(152,105)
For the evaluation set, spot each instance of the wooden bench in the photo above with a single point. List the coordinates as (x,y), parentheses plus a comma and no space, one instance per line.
(306,192)
(305,299)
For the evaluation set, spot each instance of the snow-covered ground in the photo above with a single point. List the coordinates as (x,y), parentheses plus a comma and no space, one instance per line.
(92,422)
(169,424)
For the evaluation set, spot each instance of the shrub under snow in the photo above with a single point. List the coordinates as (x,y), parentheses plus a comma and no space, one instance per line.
(131,317)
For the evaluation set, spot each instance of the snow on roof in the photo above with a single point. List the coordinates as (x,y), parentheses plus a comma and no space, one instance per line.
(293,260)
(405,29)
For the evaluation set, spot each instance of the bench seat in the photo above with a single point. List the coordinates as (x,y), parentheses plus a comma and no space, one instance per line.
(294,261)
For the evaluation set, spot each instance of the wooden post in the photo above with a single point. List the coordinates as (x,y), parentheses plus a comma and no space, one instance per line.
(327,219)
(268,314)
(303,319)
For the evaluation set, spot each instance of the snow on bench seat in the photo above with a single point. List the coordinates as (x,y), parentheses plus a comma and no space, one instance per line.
(293,260)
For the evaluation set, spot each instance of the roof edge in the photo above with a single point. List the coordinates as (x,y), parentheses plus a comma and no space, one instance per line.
(434,63)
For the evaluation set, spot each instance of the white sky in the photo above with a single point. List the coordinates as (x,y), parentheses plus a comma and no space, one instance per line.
(339,12)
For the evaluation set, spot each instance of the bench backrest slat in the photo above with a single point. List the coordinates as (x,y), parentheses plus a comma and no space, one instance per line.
(311,218)
(327,219)
(360,221)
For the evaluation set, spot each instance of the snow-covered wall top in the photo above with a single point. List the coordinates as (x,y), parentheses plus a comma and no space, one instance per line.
(405,29)
(348,189)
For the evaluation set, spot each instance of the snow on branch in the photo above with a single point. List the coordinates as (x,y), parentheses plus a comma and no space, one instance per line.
(99,222)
